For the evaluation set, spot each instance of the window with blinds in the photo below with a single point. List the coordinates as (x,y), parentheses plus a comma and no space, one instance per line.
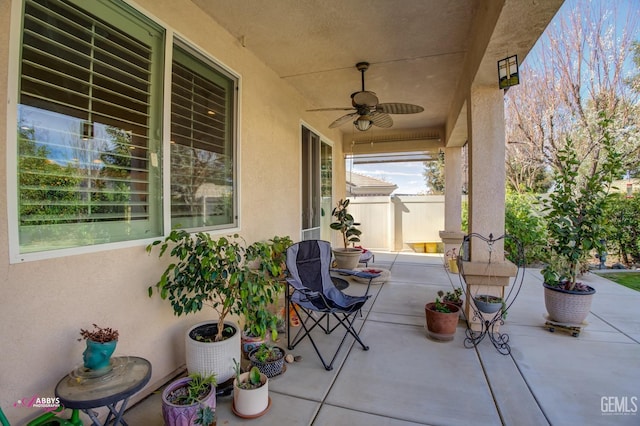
(89,131)
(88,124)
(202,172)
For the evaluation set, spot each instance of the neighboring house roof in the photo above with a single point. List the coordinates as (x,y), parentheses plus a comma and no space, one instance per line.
(361,185)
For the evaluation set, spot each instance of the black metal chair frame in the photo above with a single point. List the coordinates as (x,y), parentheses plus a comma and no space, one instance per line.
(318,303)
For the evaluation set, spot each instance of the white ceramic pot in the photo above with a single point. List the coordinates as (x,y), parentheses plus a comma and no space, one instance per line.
(213,357)
(250,403)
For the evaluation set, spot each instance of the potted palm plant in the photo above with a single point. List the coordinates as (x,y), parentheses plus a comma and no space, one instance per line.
(346,257)
(574,215)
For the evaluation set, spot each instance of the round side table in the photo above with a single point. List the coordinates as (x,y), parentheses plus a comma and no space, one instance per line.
(83,389)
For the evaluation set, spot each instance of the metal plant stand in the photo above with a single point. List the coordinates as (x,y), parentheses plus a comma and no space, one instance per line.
(490,322)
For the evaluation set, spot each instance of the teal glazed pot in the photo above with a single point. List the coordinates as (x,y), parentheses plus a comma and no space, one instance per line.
(97,354)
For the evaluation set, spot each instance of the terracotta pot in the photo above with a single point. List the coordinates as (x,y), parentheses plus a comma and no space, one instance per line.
(568,307)
(184,415)
(441,326)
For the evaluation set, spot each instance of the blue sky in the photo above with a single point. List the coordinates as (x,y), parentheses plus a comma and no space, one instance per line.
(408,176)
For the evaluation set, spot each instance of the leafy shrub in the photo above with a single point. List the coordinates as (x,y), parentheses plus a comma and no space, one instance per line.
(524,224)
(623,227)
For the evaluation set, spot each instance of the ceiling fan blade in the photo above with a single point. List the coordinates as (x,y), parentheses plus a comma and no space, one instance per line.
(381,119)
(364,98)
(340,121)
(332,109)
(399,108)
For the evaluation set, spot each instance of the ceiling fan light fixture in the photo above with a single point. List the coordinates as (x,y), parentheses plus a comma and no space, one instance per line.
(363,123)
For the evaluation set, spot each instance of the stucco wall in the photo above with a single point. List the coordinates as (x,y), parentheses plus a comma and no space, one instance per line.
(43,304)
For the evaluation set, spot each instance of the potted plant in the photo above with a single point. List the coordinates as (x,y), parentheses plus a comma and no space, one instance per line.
(231,278)
(101,343)
(267,268)
(442,320)
(346,257)
(488,304)
(206,272)
(574,215)
(454,296)
(452,261)
(189,400)
(250,393)
(269,359)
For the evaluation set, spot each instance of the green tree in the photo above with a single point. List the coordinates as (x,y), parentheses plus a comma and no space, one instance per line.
(47,191)
(112,189)
(524,223)
(434,174)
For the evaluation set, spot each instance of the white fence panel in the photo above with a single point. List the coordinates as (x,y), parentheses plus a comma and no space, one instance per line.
(396,223)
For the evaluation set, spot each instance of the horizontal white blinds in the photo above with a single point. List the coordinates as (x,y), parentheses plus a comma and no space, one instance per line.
(77,65)
(201,150)
(84,119)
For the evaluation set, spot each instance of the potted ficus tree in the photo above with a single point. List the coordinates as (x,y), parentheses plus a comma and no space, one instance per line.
(189,401)
(346,257)
(574,215)
(214,272)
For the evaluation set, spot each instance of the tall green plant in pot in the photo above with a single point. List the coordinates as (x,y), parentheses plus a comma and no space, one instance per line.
(574,215)
(346,257)
(264,286)
(208,272)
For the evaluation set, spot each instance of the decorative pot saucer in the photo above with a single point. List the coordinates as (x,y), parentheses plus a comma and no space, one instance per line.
(115,368)
(252,416)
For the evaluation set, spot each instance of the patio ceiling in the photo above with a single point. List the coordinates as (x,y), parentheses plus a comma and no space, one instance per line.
(423,52)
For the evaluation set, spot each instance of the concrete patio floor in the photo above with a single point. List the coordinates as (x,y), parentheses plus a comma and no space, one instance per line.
(408,379)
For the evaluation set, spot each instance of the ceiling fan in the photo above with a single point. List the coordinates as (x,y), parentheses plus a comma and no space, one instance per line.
(368,110)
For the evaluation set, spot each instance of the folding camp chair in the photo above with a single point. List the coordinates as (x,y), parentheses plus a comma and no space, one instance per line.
(312,292)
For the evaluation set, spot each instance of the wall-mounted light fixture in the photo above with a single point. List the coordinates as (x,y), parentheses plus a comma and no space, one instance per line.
(363,123)
(508,72)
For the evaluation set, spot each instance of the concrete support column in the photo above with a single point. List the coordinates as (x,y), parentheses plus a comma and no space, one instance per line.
(452,234)
(486,165)
(487,271)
